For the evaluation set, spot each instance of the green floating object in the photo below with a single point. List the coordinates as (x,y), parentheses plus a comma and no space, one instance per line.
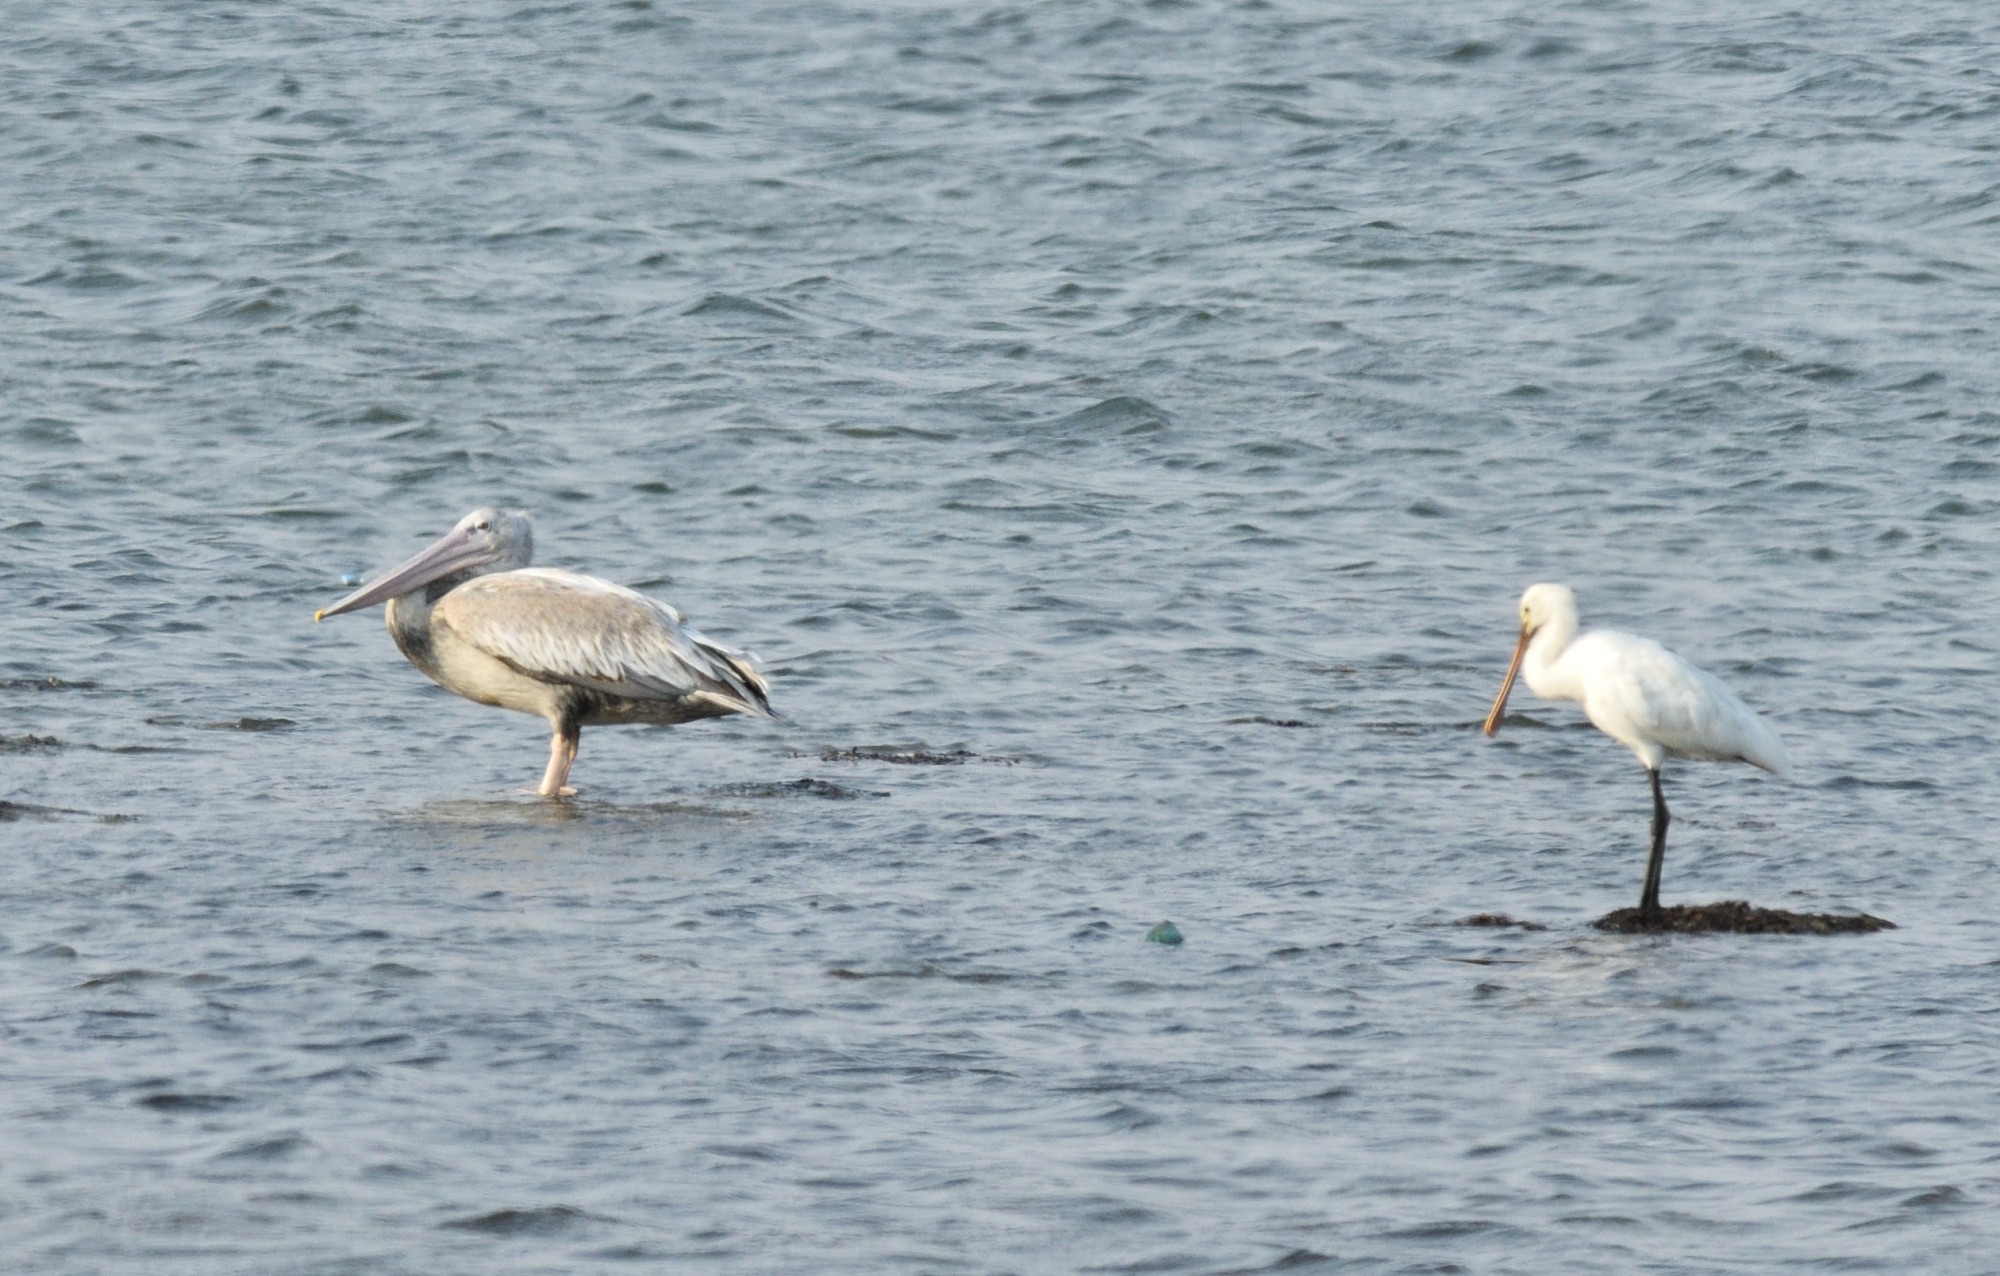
(1164,933)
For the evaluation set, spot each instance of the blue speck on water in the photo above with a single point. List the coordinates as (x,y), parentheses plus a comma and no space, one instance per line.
(1164,933)
(350,579)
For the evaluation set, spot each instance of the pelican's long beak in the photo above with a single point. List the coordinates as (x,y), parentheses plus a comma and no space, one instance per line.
(455,551)
(1507,687)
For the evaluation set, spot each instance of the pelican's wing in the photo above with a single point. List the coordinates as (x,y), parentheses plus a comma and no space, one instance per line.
(1684,709)
(558,626)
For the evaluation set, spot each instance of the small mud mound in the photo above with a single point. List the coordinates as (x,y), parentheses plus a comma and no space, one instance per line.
(1737,917)
(1498,921)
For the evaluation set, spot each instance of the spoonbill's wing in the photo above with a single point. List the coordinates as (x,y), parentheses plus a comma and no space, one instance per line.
(562,627)
(1637,688)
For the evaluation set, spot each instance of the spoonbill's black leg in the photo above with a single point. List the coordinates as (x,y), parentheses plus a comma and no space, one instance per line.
(1649,899)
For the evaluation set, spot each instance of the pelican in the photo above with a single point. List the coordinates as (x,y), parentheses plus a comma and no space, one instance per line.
(576,650)
(1641,695)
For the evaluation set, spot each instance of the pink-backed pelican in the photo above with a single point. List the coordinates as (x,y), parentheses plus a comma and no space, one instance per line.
(576,650)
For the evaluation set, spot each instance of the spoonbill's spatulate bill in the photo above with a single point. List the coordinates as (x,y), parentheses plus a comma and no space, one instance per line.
(1641,695)
(576,650)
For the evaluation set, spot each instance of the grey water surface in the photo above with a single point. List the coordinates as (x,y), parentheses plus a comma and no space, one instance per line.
(1122,430)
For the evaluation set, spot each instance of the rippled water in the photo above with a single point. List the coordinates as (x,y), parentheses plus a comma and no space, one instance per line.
(1151,413)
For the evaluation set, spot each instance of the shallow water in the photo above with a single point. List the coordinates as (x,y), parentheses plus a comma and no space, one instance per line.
(1151,411)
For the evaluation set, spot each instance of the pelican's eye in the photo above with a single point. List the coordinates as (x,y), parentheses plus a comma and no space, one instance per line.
(482,526)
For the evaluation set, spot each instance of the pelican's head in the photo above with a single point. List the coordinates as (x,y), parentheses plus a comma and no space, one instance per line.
(1543,607)
(486,540)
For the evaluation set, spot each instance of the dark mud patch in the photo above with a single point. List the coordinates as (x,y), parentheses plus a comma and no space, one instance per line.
(901,757)
(928,971)
(29,743)
(1497,921)
(11,811)
(805,786)
(251,724)
(234,724)
(1737,917)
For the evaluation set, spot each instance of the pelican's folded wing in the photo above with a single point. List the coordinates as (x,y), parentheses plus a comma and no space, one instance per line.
(559,626)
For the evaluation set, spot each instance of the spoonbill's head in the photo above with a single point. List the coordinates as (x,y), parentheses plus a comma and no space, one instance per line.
(486,540)
(1541,606)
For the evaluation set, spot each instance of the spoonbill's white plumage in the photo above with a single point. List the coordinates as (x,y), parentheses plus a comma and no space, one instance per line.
(1641,695)
(479,621)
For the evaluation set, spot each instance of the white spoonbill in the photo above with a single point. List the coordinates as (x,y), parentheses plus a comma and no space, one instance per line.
(1641,695)
(576,650)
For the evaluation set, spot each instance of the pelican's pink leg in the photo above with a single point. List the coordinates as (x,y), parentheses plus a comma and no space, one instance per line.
(562,753)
